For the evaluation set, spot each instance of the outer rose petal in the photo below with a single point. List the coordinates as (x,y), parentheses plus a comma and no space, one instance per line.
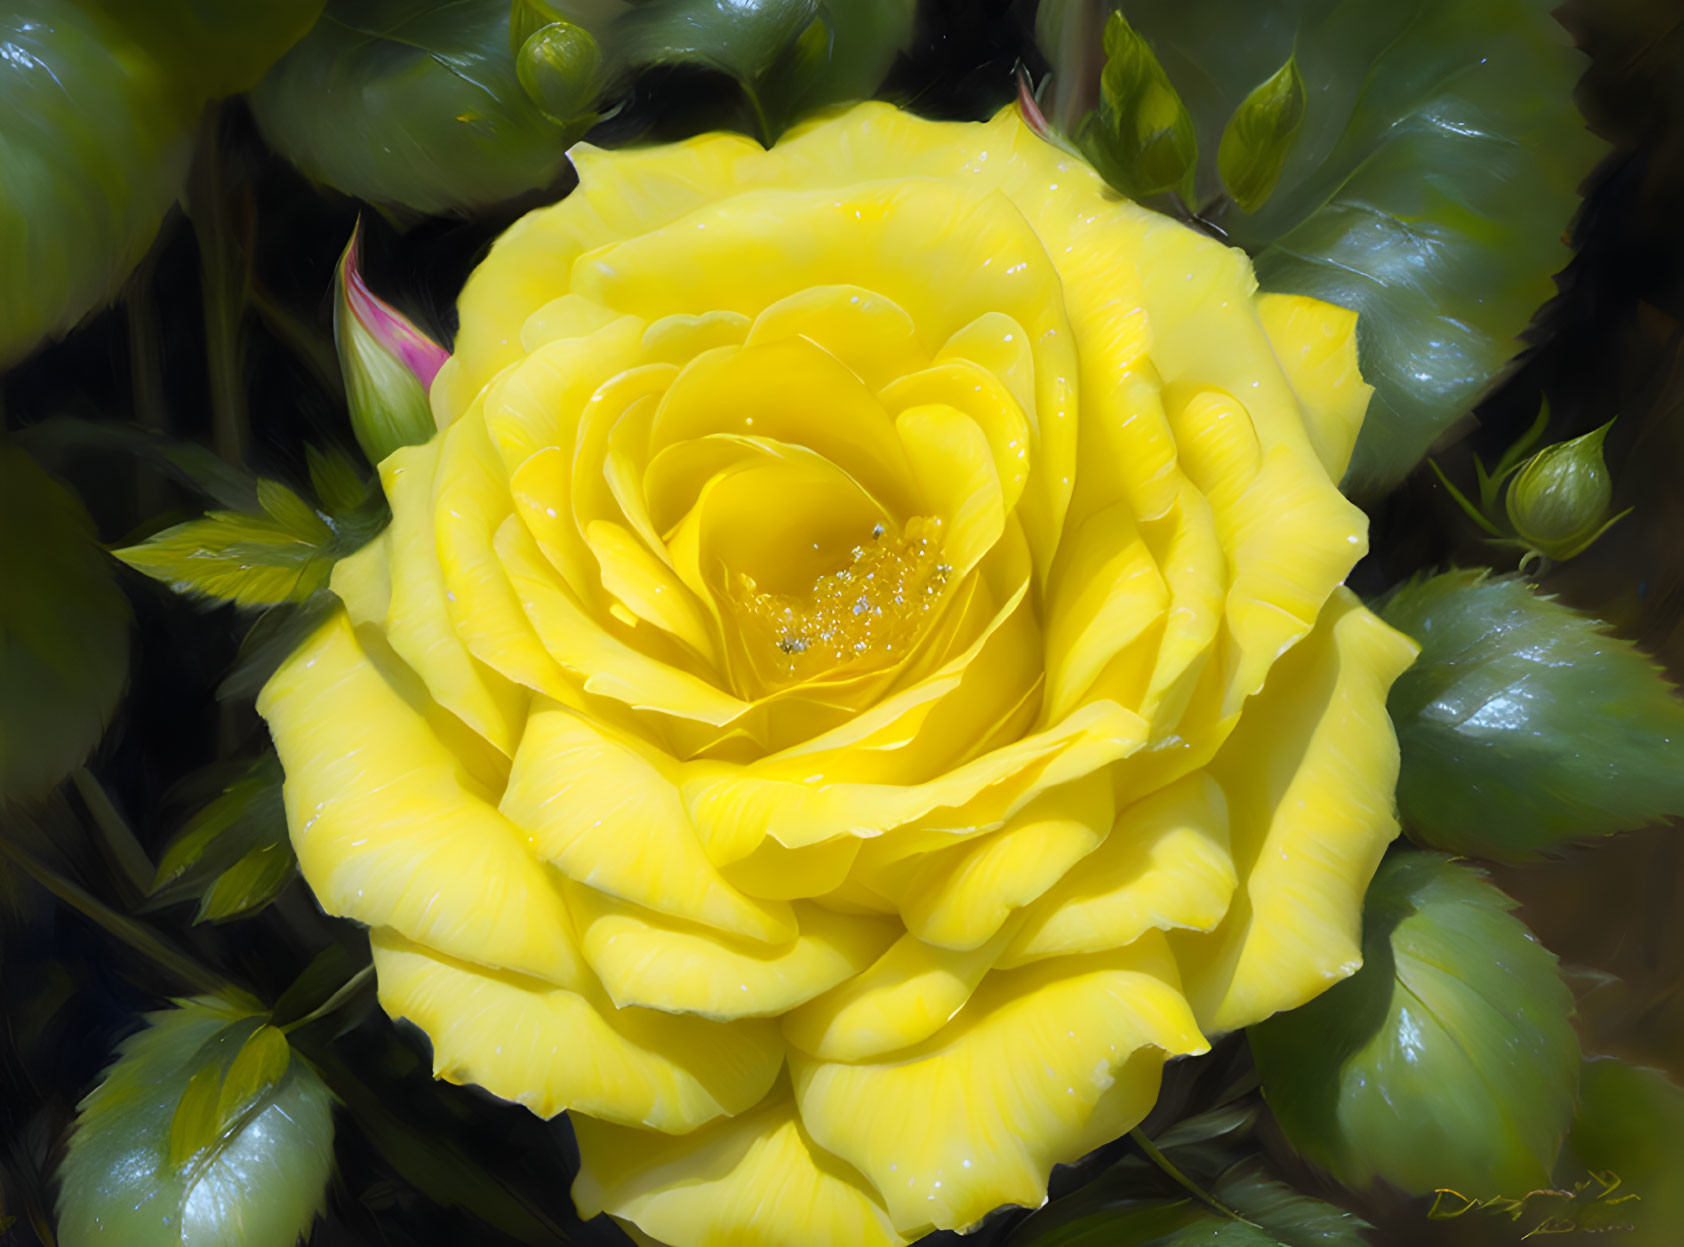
(1044,1064)
(1310,776)
(550,1048)
(757,1180)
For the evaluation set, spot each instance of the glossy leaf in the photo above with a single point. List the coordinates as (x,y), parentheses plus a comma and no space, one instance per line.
(215,47)
(1432,181)
(1141,136)
(1523,724)
(99,102)
(284,554)
(1630,1128)
(1447,1060)
(95,149)
(741,38)
(1259,137)
(843,54)
(411,104)
(144,1169)
(64,631)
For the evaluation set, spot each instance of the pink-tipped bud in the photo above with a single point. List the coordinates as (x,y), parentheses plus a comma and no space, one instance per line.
(388,364)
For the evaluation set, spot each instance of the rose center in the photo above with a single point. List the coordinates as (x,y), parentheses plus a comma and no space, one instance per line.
(870,611)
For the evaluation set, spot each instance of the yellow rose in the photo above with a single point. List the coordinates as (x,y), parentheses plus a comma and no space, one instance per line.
(859,679)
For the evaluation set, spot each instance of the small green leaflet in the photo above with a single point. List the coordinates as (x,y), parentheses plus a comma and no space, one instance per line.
(205,1132)
(1524,725)
(1447,1061)
(233,856)
(64,631)
(1259,137)
(280,555)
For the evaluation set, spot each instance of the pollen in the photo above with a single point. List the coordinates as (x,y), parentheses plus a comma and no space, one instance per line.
(869,612)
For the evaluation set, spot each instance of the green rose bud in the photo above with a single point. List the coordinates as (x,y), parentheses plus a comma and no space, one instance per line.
(388,364)
(560,69)
(1141,137)
(1558,502)
(1260,136)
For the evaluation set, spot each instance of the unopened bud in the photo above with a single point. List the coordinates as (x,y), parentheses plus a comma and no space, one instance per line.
(1559,500)
(560,69)
(388,364)
(1141,137)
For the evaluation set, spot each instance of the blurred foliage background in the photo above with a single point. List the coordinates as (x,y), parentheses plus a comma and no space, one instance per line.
(223,336)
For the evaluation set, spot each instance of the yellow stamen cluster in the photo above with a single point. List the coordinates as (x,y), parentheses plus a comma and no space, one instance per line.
(870,612)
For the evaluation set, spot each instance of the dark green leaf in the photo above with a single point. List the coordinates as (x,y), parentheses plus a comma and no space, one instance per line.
(270,641)
(411,104)
(1141,137)
(96,144)
(319,982)
(187,462)
(259,1179)
(1259,137)
(1630,1129)
(338,485)
(738,37)
(1523,724)
(1287,1216)
(247,818)
(216,47)
(1432,181)
(843,54)
(430,1161)
(64,631)
(284,554)
(249,884)
(1448,1060)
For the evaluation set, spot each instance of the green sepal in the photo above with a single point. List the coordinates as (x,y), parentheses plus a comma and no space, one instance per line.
(1523,725)
(1447,1061)
(153,1155)
(1260,136)
(1141,137)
